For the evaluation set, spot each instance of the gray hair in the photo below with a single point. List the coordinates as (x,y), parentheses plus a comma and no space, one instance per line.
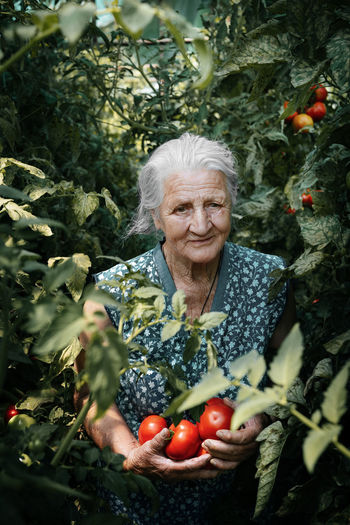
(188,152)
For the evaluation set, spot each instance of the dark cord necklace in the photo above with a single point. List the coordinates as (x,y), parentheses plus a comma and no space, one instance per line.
(213,282)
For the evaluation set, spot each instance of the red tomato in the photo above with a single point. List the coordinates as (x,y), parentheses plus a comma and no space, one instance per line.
(290,211)
(215,401)
(11,411)
(214,418)
(150,427)
(185,441)
(317,111)
(306,199)
(290,118)
(320,93)
(302,120)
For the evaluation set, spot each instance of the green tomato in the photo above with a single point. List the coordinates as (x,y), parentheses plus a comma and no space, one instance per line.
(20,422)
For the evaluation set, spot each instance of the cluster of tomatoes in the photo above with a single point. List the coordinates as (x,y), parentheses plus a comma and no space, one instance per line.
(313,113)
(306,200)
(16,419)
(187,438)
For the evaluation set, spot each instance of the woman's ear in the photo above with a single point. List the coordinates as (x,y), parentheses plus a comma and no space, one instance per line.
(156,219)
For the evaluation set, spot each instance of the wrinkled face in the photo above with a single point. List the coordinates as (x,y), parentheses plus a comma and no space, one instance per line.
(195,214)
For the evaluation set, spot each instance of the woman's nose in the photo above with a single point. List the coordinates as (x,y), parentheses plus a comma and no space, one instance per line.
(200,223)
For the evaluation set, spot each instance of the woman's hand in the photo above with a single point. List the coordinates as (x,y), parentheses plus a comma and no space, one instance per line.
(234,447)
(149,460)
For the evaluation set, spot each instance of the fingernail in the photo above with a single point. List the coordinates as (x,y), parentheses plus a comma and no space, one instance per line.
(164,433)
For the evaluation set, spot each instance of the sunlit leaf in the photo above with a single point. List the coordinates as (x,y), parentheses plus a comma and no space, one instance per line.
(110,204)
(73,19)
(145,292)
(334,403)
(134,17)
(210,320)
(59,274)
(252,406)
(178,304)
(75,283)
(212,354)
(37,398)
(287,363)
(206,63)
(316,442)
(257,370)
(170,329)
(84,204)
(17,212)
(242,365)
(7,161)
(210,385)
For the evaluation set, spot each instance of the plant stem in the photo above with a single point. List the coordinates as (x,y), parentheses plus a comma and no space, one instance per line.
(342,448)
(304,419)
(16,56)
(71,433)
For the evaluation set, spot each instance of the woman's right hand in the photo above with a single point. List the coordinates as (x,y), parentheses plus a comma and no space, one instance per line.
(150,460)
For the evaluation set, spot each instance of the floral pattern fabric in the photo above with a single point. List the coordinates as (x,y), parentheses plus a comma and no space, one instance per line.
(242,293)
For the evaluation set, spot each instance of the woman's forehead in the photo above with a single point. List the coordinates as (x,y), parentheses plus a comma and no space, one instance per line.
(195,181)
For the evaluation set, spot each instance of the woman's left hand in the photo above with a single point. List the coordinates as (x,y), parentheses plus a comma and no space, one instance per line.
(234,447)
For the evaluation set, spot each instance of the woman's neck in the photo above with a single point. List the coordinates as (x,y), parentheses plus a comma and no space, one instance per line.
(188,271)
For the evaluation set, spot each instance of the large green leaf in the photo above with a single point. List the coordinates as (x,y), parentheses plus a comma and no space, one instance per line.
(210,385)
(206,64)
(272,440)
(287,363)
(338,50)
(320,231)
(58,274)
(68,324)
(76,281)
(170,329)
(307,262)
(7,161)
(17,212)
(134,16)
(104,360)
(73,19)
(253,405)
(334,345)
(210,320)
(334,403)
(316,442)
(84,204)
(242,365)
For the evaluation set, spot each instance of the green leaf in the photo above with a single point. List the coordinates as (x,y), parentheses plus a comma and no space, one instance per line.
(7,161)
(145,292)
(159,305)
(210,320)
(206,64)
(287,363)
(316,442)
(212,354)
(17,213)
(170,329)
(104,360)
(66,357)
(322,370)
(320,231)
(338,50)
(242,365)
(307,262)
(41,315)
(59,274)
(73,19)
(276,136)
(192,346)
(257,371)
(84,204)
(110,204)
(37,398)
(255,404)
(303,72)
(98,295)
(68,324)
(176,403)
(178,304)
(334,345)
(272,440)
(334,403)
(211,384)
(134,17)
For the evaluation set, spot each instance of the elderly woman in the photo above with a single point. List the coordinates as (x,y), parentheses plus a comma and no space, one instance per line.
(187,190)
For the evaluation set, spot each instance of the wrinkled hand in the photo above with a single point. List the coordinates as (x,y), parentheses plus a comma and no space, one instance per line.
(149,460)
(234,447)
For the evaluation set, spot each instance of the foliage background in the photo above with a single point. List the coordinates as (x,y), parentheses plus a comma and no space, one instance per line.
(85,116)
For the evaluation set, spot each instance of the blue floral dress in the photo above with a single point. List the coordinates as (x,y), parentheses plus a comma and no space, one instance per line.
(242,293)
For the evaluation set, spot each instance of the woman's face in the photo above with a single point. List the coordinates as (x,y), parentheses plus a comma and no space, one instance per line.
(195,214)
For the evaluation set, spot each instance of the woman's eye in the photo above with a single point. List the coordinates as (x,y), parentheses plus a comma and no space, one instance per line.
(214,205)
(180,209)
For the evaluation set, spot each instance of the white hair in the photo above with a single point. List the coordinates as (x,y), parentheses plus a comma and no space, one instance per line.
(188,152)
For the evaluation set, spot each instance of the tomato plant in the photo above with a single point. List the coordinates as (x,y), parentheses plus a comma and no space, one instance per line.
(215,417)
(185,441)
(302,121)
(150,427)
(317,111)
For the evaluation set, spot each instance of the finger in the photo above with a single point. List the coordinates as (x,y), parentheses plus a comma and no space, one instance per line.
(221,450)
(230,403)
(159,441)
(240,437)
(220,464)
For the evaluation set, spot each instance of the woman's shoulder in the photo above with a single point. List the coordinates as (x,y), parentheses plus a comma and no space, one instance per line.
(242,255)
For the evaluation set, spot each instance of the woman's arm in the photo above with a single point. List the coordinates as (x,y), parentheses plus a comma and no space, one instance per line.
(111,429)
